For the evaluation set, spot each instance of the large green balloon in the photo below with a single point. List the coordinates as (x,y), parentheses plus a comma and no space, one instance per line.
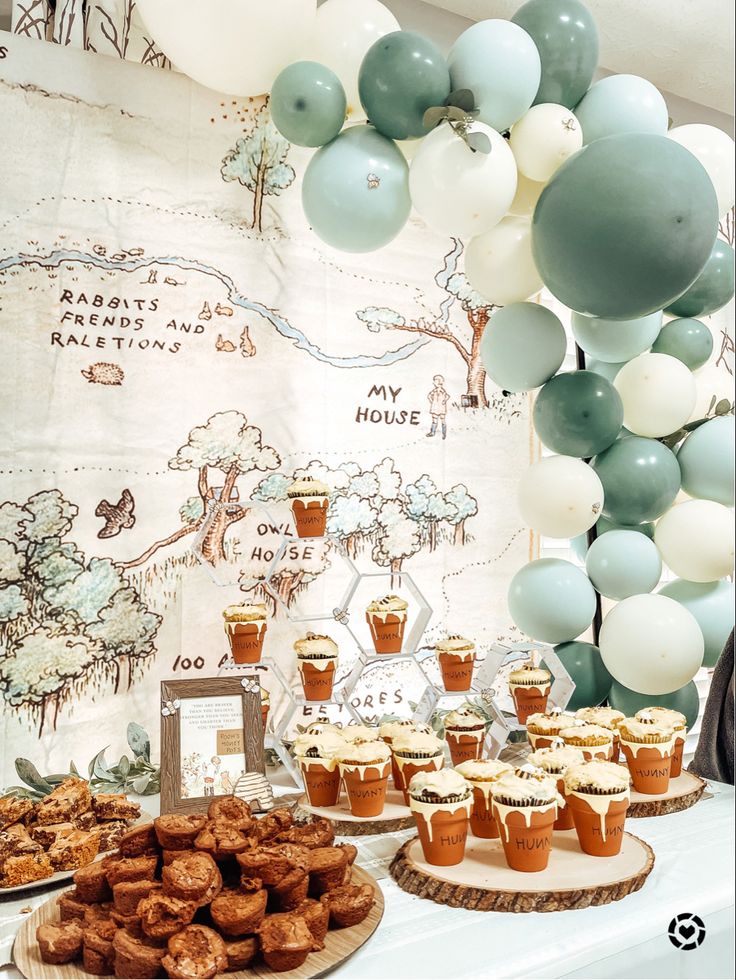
(355,191)
(401,76)
(551,600)
(583,663)
(615,341)
(567,40)
(706,461)
(712,289)
(621,104)
(579,544)
(640,479)
(711,603)
(308,104)
(686,701)
(623,563)
(690,341)
(578,414)
(522,346)
(625,226)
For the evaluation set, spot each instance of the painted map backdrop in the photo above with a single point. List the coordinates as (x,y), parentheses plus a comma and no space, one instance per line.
(174,338)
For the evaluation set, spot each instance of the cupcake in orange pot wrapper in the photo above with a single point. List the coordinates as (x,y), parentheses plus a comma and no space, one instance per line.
(529,687)
(388,731)
(387,620)
(597,794)
(648,750)
(555,761)
(316,754)
(245,626)
(482,774)
(456,657)
(317,660)
(525,808)
(441,803)
(309,501)
(595,741)
(543,729)
(364,767)
(465,732)
(415,752)
(605,717)
(674,720)
(322,725)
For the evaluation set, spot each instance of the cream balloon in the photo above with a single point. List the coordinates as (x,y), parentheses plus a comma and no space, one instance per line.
(543,139)
(344,30)
(651,644)
(210,42)
(560,496)
(526,197)
(459,191)
(658,392)
(715,150)
(695,540)
(499,263)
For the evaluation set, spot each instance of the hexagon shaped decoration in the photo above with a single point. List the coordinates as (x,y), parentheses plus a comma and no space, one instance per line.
(394,684)
(239,551)
(311,578)
(368,586)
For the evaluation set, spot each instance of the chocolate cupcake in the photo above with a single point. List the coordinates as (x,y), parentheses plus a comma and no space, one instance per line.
(526,804)
(441,803)
(597,794)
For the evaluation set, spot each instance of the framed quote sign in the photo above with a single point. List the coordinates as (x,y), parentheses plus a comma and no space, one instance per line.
(211,743)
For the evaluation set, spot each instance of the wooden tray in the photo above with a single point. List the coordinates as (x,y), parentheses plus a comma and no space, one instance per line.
(396,816)
(339,945)
(484,882)
(682,793)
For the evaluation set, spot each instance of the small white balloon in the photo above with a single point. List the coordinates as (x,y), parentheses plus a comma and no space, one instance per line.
(499,263)
(526,197)
(658,392)
(651,644)
(459,191)
(560,496)
(715,150)
(695,540)
(543,139)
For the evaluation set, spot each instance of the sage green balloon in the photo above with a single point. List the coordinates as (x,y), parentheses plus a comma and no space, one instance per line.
(712,289)
(624,226)
(621,104)
(689,340)
(686,701)
(308,104)
(578,414)
(551,600)
(640,477)
(615,341)
(623,563)
(712,605)
(355,191)
(402,75)
(604,524)
(607,371)
(523,345)
(583,663)
(567,40)
(706,459)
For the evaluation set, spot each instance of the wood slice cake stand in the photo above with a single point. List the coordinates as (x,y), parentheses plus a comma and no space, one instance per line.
(682,792)
(396,816)
(339,945)
(484,882)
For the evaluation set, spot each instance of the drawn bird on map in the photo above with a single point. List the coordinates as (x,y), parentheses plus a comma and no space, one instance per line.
(117,516)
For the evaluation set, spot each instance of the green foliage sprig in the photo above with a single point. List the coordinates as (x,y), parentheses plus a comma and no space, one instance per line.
(459,111)
(715,410)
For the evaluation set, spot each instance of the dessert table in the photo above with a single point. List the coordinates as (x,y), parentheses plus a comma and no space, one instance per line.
(419,939)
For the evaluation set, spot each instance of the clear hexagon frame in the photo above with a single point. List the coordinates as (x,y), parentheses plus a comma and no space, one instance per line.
(224,574)
(363,592)
(332,571)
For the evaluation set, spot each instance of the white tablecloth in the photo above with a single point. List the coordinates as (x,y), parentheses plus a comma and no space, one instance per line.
(417,938)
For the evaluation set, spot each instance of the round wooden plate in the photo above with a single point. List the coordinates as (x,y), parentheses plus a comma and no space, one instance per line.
(339,945)
(396,816)
(484,882)
(682,793)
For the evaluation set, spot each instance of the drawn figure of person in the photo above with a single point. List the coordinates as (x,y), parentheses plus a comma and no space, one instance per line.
(438,399)
(210,771)
(226,786)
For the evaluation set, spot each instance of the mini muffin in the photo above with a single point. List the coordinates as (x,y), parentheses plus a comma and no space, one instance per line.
(132,925)
(98,955)
(271,825)
(168,856)
(162,915)
(92,884)
(316,914)
(286,941)
(240,952)
(594,740)
(350,904)
(529,676)
(95,913)
(60,942)
(272,863)
(127,894)
(221,840)
(231,809)
(71,906)
(177,831)
(139,840)
(130,869)
(136,956)
(597,778)
(236,914)
(195,952)
(291,890)
(464,720)
(317,833)
(194,877)
(326,869)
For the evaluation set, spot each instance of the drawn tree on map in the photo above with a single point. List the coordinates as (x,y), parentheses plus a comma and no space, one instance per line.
(226,447)
(258,162)
(293,575)
(66,622)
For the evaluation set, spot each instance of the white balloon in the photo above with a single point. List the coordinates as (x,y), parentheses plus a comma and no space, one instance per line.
(695,539)
(526,197)
(543,139)
(344,30)
(560,496)
(459,191)
(658,392)
(651,644)
(499,263)
(715,150)
(210,43)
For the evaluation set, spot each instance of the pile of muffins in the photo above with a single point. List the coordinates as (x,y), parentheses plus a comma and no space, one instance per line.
(64,831)
(195,896)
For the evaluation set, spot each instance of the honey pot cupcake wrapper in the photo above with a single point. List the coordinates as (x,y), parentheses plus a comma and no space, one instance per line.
(600,801)
(502,811)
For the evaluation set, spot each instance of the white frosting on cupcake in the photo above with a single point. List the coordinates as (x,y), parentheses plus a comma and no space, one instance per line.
(483,770)
(444,783)
(327,744)
(359,733)
(363,753)
(417,742)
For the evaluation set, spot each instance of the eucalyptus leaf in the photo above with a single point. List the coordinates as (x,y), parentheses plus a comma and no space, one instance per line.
(712,403)
(124,766)
(98,766)
(73,769)
(141,784)
(31,776)
(138,740)
(723,407)
(478,142)
(463,98)
(24,793)
(433,116)
(454,114)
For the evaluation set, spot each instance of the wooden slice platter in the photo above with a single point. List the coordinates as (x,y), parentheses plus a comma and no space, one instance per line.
(682,792)
(339,945)
(396,816)
(484,882)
